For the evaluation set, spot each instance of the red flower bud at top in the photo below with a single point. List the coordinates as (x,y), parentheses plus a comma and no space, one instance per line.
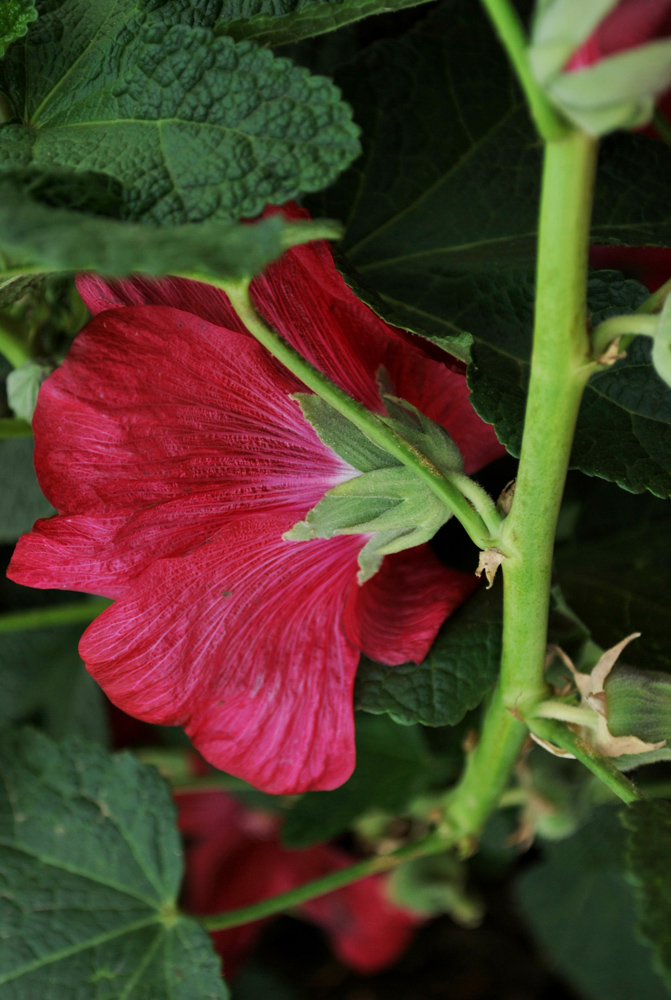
(631,23)
(604,64)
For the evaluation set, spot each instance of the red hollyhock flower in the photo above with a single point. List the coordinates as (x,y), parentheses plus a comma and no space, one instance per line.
(629,24)
(176,458)
(234,857)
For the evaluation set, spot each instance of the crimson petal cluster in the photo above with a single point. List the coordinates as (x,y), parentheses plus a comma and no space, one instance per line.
(171,447)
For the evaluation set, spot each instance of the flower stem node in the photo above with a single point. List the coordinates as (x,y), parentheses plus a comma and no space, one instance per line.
(609,716)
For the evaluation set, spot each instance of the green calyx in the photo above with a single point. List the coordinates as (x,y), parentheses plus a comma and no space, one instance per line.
(386,499)
(639,703)
(619,91)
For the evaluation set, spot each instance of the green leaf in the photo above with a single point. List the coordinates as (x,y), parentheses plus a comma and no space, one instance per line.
(580,909)
(649,847)
(21,499)
(442,207)
(23,384)
(624,426)
(15,17)
(278,22)
(90,862)
(617,573)
(461,667)
(194,126)
(43,681)
(391,767)
(38,236)
(661,345)
(386,500)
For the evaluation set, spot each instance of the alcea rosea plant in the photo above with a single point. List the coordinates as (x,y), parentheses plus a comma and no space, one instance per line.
(253,443)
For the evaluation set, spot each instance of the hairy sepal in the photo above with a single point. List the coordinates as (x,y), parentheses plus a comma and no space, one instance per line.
(385,499)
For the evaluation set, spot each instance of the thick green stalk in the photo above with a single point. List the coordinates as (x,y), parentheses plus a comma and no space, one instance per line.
(509,28)
(336,880)
(560,368)
(370,423)
(559,371)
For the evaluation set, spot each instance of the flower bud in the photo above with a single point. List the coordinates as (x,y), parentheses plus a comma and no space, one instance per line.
(603,63)
(639,703)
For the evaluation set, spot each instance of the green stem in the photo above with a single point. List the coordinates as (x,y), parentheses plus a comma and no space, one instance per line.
(634,324)
(561,736)
(656,301)
(11,427)
(487,773)
(559,372)
(73,613)
(11,345)
(511,33)
(370,423)
(432,844)
(560,368)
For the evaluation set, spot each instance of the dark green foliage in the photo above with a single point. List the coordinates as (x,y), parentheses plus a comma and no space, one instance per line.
(581,910)
(35,232)
(392,765)
(90,865)
(194,126)
(43,681)
(15,16)
(649,848)
(21,500)
(461,667)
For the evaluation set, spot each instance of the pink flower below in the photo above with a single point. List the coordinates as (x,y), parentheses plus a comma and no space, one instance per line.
(176,458)
(234,858)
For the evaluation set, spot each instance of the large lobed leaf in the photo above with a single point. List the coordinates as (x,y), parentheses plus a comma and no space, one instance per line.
(193,125)
(580,909)
(462,665)
(649,847)
(90,868)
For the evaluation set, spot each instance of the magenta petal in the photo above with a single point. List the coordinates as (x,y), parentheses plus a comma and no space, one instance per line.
(241,642)
(205,301)
(396,615)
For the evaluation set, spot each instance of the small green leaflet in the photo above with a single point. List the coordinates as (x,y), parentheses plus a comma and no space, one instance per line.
(649,847)
(581,911)
(15,17)
(460,668)
(194,126)
(392,766)
(661,345)
(386,499)
(35,236)
(23,384)
(90,865)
